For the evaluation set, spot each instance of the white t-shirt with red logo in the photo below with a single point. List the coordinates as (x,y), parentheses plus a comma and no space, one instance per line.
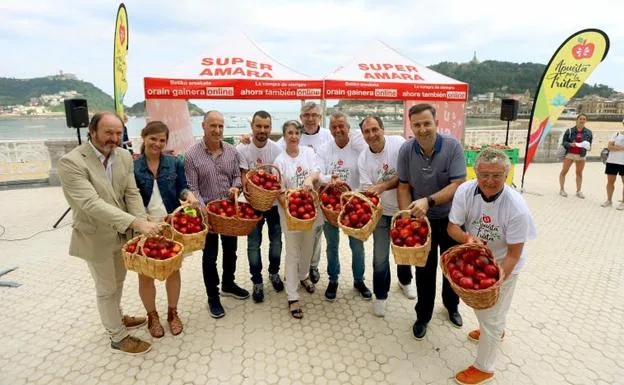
(294,173)
(252,156)
(342,161)
(507,220)
(381,167)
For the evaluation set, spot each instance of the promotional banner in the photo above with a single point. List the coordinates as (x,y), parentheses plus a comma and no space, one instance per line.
(450,117)
(120,83)
(235,68)
(564,75)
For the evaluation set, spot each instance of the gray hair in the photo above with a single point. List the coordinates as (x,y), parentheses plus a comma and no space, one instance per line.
(212,112)
(293,123)
(493,156)
(307,106)
(339,115)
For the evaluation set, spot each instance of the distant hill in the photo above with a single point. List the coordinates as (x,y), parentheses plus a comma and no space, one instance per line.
(138,109)
(501,78)
(504,77)
(19,91)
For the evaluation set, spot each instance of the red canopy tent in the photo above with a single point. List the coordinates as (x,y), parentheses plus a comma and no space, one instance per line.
(378,72)
(235,69)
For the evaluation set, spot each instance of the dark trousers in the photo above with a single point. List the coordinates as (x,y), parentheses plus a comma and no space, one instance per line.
(426,276)
(254,241)
(209,262)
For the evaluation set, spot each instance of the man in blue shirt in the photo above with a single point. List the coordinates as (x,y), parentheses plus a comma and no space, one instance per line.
(430,167)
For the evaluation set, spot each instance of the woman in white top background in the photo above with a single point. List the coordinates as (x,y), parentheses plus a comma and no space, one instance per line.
(615,166)
(162,183)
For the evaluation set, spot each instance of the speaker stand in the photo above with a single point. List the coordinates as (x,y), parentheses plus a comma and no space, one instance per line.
(69,208)
(507,135)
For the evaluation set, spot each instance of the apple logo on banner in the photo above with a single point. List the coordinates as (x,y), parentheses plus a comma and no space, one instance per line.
(583,50)
(122,34)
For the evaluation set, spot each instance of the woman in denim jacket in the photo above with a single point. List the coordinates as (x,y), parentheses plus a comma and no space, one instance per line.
(577,141)
(160,199)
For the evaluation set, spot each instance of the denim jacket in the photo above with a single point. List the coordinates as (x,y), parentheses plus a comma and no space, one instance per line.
(171,180)
(570,136)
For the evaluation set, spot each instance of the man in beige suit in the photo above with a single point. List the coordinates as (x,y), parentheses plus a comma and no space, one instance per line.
(99,185)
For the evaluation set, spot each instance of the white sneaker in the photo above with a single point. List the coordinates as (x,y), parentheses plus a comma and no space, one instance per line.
(379,307)
(580,195)
(620,206)
(606,204)
(563,194)
(408,290)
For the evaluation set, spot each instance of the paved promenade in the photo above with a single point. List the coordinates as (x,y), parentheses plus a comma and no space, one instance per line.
(564,327)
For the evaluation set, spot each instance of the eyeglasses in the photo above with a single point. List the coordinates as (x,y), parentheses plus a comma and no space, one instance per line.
(486,175)
(308,115)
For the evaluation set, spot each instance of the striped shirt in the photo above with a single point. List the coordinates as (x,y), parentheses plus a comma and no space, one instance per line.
(209,178)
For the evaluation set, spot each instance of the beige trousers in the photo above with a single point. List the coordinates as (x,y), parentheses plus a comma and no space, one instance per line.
(109,275)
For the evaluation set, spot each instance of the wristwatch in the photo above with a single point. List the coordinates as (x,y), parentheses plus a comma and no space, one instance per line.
(430,201)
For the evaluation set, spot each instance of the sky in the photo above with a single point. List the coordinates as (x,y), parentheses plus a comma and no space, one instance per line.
(40,38)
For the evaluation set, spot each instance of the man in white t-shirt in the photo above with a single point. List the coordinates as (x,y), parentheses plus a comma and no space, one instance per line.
(495,214)
(377,166)
(259,151)
(614,167)
(340,163)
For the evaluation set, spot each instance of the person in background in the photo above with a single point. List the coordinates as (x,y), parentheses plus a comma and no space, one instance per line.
(378,173)
(340,165)
(98,183)
(496,214)
(162,184)
(300,168)
(615,166)
(430,167)
(577,141)
(212,169)
(262,150)
(126,143)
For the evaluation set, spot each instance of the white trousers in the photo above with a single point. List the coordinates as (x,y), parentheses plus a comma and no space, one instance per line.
(299,248)
(109,275)
(492,325)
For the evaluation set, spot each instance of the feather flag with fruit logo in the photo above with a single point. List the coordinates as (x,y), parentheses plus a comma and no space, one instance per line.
(564,75)
(120,83)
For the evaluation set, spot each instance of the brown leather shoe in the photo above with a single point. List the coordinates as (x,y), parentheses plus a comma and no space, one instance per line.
(175,325)
(154,326)
(133,322)
(131,346)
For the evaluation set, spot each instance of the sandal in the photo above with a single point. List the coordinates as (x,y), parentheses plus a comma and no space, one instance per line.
(295,309)
(154,326)
(175,325)
(308,285)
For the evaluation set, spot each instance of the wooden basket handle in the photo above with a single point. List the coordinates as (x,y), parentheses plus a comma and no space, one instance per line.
(348,195)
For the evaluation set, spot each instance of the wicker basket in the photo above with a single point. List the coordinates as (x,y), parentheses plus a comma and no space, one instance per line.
(259,198)
(150,267)
(364,232)
(230,226)
(476,299)
(414,256)
(191,242)
(296,224)
(331,216)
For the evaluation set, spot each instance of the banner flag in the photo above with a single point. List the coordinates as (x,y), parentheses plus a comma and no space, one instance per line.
(120,83)
(564,75)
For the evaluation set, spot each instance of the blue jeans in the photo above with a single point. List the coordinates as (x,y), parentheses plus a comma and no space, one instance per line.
(254,240)
(333,262)
(381,255)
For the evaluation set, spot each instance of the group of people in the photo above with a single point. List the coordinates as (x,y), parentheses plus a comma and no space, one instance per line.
(111,196)
(577,142)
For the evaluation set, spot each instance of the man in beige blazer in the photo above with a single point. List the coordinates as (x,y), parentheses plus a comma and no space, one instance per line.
(99,185)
